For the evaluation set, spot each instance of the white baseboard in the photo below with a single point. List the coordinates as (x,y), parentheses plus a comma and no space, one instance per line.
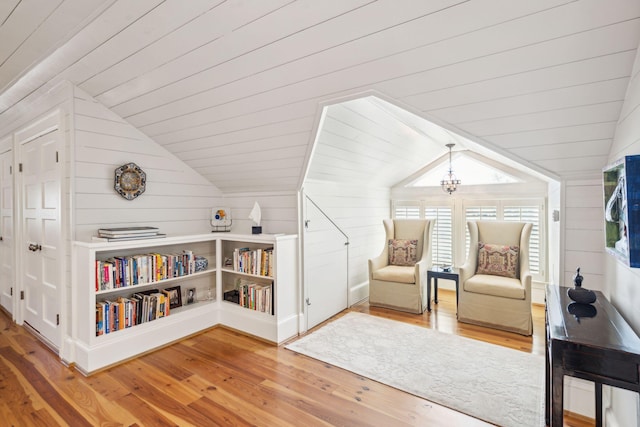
(358,293)
(610,419)
(538,292)
(579,396)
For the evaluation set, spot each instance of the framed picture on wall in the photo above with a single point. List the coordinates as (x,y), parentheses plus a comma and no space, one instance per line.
(621,189)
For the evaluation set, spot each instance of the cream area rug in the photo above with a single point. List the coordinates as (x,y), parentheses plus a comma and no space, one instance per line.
(493,383)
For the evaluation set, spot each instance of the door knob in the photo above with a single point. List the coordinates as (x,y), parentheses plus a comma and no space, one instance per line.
(34,247)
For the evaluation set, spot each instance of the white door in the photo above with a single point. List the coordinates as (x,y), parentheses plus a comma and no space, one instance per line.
(7,263)
(40,245)
(325,266)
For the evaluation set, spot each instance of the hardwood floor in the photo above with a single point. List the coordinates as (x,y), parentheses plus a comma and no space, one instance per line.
(222,377)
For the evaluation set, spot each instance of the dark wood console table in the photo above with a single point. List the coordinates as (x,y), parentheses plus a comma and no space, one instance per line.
(602,348)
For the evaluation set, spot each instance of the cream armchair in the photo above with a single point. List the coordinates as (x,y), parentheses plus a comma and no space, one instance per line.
(402,287)
(496,291)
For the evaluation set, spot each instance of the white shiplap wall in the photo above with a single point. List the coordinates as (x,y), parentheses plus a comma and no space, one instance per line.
(279,211)
(358,210)
(583,235)
(622,284)
(582,245)
(177,199)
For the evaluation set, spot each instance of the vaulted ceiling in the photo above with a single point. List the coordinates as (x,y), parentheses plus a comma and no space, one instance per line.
(240,85)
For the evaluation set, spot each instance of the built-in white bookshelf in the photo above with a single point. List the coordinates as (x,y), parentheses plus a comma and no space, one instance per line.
(275,320)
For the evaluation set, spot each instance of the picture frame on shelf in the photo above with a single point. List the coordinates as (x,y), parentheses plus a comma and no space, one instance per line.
(191,296)
(175,296)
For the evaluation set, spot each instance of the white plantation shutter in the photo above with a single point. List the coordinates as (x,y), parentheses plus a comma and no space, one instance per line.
(442,238)
(523,210)
(477,213)
(406,210)
(528,214)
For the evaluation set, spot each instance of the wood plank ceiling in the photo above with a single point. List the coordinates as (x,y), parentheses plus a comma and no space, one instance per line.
(234,88)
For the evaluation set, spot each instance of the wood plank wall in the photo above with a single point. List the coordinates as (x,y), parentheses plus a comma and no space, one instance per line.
(358,210)
(583,238)
(279,211)
(177,199)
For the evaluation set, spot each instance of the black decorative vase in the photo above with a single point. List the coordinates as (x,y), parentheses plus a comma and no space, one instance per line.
(580,294)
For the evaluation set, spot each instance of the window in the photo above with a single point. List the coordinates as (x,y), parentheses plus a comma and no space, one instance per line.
(524,211)
(407,211)
(442,236)
(528,214)
(468,169)
(477,213)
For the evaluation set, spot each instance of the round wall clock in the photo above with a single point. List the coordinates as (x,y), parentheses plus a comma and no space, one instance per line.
(130,181)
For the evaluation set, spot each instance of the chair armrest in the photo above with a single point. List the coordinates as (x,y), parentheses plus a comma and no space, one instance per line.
(526,279)
(422,266)
(377,263)
(466,271)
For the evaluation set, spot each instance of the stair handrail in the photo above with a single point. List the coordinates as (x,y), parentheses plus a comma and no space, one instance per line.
(328,218)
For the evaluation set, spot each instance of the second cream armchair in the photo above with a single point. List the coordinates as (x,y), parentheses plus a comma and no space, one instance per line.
(490,294)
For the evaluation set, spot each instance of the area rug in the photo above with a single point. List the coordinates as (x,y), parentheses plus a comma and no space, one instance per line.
(493,383)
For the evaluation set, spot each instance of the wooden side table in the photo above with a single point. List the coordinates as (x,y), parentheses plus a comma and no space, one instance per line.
(436,273)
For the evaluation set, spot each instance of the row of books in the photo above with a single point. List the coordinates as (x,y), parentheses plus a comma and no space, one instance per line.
(119,272)
(257,297)
(129,233)
(257,261)
(124,313)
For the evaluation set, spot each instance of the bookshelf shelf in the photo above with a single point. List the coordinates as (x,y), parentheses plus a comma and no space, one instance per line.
(158,284)
(92,353)
(240,273)
(152,327)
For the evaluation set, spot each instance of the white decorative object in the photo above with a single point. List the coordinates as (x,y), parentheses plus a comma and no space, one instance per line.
(221,219)
(256,217)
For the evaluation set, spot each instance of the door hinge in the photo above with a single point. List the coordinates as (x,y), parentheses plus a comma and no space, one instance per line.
(57,319)
(57,159)
(19,167)
(10,170)
(308,301)
(11,291)
(21,295)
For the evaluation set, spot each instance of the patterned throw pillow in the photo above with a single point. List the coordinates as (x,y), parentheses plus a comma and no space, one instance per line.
(402,252)
(498,260)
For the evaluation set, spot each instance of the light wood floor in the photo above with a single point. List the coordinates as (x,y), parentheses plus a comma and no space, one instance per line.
(221,377)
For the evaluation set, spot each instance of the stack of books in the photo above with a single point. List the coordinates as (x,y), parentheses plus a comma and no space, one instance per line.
(129,233)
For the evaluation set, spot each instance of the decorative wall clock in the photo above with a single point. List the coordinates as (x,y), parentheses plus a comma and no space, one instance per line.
(130,181)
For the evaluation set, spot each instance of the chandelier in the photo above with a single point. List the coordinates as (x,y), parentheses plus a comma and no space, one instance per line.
(449,181)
